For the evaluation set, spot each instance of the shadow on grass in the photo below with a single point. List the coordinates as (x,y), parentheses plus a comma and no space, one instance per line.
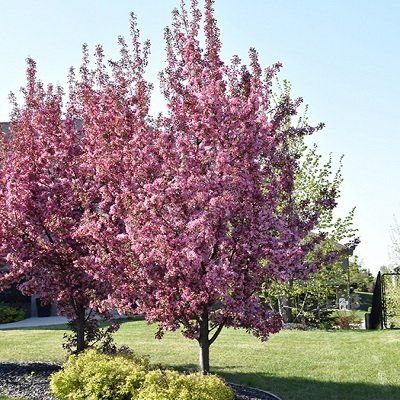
(58,327)
(293,388)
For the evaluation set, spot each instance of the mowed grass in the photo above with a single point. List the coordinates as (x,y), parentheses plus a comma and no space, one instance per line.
(312,365)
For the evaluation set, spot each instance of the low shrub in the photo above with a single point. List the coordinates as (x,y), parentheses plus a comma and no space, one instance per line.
(171,385)
(324,319)
(97,376)
(124,376)
(10,314)
(346,319)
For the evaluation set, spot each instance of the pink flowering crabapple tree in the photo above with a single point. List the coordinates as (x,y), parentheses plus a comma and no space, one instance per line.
(42,203)
(54,165)
(183,218)
(216,221)
(40,207)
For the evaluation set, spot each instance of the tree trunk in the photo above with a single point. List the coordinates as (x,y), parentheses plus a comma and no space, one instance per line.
(80,330)
(286,302)
(286,309)
(318,308)
(204,354)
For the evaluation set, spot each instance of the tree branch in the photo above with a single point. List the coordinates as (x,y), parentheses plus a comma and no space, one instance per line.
(48,235)
(216,333)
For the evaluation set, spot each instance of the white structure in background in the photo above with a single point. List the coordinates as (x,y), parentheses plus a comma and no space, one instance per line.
(343,304)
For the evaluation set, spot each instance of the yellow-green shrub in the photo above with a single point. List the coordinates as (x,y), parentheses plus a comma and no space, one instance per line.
(96,376)
(171,385)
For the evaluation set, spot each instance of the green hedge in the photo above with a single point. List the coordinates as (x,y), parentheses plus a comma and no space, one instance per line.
(10,314)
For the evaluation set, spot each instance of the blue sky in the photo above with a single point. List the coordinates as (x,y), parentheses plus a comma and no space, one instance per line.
(342,57)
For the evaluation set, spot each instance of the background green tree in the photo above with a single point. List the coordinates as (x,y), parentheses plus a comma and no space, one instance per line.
(311,299)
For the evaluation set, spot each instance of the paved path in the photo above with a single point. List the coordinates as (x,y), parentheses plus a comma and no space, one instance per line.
(33,322)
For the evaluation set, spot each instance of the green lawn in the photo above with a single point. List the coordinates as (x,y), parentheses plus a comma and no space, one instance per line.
(7,398)
(296,365)
(4,397)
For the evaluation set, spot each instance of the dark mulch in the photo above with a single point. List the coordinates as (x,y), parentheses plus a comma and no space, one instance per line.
(27,380)
(31,381)
(246,393)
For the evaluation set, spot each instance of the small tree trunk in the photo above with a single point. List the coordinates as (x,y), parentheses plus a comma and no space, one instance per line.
(204,354)
(319,308)
(80,330)
(286,310)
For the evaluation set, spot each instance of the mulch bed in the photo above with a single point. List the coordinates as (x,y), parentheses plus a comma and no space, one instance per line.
(27,380)
(247,393)
(31,381)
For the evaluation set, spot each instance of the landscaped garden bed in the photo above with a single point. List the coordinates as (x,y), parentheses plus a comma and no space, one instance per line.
(31,381)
